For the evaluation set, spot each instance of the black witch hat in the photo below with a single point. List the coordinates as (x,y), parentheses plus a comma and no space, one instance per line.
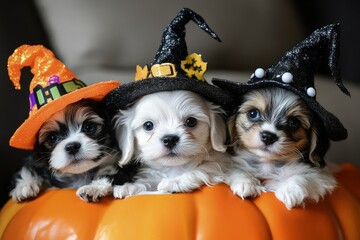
(295,72)
(172,69)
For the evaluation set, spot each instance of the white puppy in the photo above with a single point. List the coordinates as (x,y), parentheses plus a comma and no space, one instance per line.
(178,137)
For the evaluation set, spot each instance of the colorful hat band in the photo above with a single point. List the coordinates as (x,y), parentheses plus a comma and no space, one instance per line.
(193,66)
(156,70)
(43,95)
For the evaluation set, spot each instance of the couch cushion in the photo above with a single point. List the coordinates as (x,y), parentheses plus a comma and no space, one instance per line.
(118,34)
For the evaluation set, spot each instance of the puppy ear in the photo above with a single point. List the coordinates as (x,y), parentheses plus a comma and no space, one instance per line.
(231,125)
(218,131)
(125,136)
(319,145)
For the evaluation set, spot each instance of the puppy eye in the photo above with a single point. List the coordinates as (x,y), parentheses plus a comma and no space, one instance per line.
(293,123)
(148,126)
(191,122)
(253,115)
(52,139)
(89,127)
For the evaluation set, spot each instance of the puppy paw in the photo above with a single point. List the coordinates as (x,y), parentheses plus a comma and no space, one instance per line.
(173,185)
(249,187)
(95,190)
(25,191)
(128,189)
(28,185)
(90,193)
(168,185)
(291,195)
(297,189)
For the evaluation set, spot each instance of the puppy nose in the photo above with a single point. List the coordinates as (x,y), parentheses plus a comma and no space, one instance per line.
(268,137)
(170,141)
(72,147)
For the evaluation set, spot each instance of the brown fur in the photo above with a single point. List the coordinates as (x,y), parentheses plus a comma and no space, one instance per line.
(276,106)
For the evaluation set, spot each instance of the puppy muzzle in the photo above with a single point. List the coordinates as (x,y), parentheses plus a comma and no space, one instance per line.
(268,138)
(170,141)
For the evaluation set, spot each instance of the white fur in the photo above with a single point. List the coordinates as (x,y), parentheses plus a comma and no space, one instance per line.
(95,190)
(63,162)
(27,186)
(243,182)
(293,182)
(196,160)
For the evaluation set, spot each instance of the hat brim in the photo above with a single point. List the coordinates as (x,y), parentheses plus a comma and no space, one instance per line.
(25,136)
(123,96)
(332,124)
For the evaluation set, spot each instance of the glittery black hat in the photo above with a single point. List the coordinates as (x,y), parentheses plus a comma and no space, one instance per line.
(172,69)
(295,72)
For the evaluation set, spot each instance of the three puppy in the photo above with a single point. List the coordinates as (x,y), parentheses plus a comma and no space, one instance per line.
(172,125)
(180,146)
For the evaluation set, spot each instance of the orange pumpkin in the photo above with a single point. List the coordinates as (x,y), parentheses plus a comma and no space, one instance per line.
(209,213)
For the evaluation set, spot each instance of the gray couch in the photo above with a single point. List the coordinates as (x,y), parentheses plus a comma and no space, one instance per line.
(103,40)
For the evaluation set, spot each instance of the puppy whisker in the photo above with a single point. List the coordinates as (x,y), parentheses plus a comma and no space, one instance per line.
(110,151)
(290,151)
(151,135)
(234,143)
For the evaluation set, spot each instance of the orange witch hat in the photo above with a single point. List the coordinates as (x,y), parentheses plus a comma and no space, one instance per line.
(52,88)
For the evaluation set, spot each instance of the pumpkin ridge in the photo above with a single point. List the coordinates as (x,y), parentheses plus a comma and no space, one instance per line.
(297,222)
(25,212)
(219,208)
(345,206)
(257,204)
(337,219)
(11,208)
(347,175)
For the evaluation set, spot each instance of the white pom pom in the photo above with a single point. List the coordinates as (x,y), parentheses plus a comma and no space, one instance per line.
(311,92)
(287,77)
(259,73)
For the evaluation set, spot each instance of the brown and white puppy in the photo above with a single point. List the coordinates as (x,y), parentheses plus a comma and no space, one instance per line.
(278,147)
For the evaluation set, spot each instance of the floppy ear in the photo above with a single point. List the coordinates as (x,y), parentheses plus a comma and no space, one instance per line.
(231,125)
(125,136)
(218,131)
(319,145)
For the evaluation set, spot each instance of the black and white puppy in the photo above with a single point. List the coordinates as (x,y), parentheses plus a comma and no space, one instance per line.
(178,138)
(75,149)
(278,147)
